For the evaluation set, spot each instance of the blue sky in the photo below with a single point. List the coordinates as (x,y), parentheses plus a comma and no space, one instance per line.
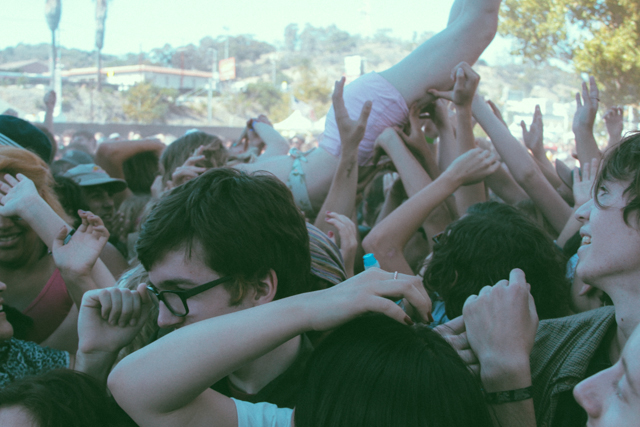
(144,24)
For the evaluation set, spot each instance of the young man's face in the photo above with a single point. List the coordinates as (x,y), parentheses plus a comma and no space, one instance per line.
(611,398)
(177,272)
(610,251)
(100,202)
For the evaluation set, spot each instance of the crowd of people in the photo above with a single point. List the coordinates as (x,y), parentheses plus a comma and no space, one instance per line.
(206,283)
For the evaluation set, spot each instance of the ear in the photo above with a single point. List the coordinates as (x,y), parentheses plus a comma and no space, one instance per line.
(266,290)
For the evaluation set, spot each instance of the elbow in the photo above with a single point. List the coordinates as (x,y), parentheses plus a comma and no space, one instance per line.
(371,242)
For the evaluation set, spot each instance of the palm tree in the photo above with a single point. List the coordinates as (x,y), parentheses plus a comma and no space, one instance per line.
(52,11)
(101,17)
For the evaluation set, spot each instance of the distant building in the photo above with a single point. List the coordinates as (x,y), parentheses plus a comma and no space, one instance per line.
(129,75)
(31,66)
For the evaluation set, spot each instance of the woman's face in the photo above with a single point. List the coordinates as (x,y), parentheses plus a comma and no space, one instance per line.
(6,330)
(18,242)
(611,398)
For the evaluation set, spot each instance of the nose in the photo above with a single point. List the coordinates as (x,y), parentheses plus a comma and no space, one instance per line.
(166,319)
(584,212)
(107,202)
(589,395)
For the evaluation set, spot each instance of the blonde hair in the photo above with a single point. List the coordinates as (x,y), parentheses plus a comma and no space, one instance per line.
(131,280)
(18,160)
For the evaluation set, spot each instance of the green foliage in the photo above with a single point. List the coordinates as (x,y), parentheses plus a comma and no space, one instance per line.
(314,90)
(145,103)
(261,97)
(600,37)
(331,39)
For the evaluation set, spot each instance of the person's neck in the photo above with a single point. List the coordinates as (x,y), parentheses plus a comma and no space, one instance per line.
(254,376)
(627,319)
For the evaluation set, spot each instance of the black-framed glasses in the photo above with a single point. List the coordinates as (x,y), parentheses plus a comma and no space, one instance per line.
(176,301)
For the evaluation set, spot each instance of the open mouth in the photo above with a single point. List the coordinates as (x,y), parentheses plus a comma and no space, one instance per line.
(9,239)
(586,240)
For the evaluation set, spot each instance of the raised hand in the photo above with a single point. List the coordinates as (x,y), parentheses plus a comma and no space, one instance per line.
(415,138)
(388,137)
(17,195)
(373,291)
(77,257)
(533,138)
(583,182)
(501,323)
(613,119)
(111,318)
(454,332)
(587,107)
(188,170)
(466,82)
(473,166)
(50,100)
(348,239)
(351,131)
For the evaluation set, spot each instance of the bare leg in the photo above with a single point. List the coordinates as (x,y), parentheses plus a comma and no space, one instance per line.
(472,26)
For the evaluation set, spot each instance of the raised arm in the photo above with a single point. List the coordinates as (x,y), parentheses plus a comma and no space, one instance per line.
(501,323)
(156,387)
(21,198)
(466,82)
(522,166)
(49,103)
(614,120)
(388,238)
(342,193)
(77,255)
(534,140)
(109,320)
(112,154)
(275,144)
(583,121)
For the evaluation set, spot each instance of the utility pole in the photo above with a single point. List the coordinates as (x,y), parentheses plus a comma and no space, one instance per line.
(212,83)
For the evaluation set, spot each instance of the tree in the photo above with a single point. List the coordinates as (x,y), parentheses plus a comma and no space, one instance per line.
(599,37)
(52,11)
(145,103)
(291,37)
(101,17)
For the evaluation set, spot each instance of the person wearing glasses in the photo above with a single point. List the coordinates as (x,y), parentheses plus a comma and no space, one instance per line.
(222,243)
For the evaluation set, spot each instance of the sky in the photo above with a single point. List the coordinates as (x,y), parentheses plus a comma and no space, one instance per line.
(135,25)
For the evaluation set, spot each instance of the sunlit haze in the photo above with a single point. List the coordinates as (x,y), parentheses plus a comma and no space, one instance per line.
(135,25)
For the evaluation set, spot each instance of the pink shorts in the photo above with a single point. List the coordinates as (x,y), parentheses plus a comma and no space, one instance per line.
(389,109)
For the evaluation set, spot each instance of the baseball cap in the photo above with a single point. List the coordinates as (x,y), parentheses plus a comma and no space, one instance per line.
(15,131)
(88,175)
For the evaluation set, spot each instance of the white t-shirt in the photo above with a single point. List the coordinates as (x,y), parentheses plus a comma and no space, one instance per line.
(262,414)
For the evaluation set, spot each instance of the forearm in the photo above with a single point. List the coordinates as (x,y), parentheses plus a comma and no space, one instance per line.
(523,167)
(586,146)
(275,143)
(446,146)
(342,193)
(413,176)
(98,365)
(48,120)
(469,195)
(548,170)
(111,155)
(502,183)
(388,238)
(214,348)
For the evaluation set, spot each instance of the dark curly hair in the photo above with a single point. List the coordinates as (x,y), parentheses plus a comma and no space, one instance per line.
(481,248)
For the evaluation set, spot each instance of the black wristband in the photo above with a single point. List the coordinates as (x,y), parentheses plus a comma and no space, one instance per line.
(68,238)
(509,396)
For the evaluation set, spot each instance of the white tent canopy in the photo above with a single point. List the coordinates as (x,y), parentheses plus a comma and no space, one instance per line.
(295,122)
